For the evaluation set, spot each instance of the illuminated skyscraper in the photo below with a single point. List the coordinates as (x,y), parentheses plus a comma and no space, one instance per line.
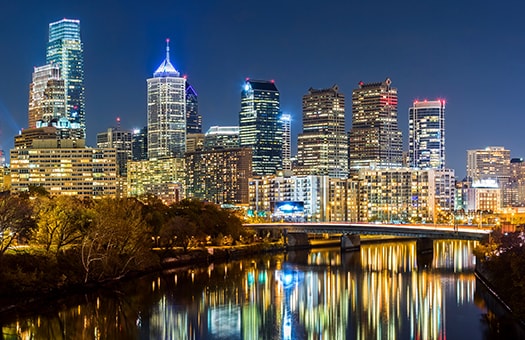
(426,141)
(139,144)
(260,127)
(323,146)
(221,137)
(166,111)
(286,121)
(493,162)
(375,139)
(46,95)
(193,119)
(65,49)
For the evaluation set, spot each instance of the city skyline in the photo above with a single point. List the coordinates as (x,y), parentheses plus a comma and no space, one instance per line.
(469,52)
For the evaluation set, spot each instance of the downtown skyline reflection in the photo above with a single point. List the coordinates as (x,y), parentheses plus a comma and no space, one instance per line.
(384,291)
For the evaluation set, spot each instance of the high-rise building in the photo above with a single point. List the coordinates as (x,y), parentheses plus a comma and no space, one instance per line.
(260,127)
(62,166)
(65,49)
(219,175)
(375,139)
(323,145)
(221,137)
(286,121)
(139,144)
(193,119)
(493,162)
(166,111)
(121,141)
(426,141)
(46,95)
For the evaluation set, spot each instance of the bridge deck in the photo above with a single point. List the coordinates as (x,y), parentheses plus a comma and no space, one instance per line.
(413,230)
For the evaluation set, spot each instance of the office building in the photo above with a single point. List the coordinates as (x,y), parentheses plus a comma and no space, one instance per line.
(139,144)
(260,126)
(46,95)
(221,137)
(515,189)
(426,129)
(166,111)
(121,141)
(375,139)
(194,142)
(219,175)
(493,162)
(162,177)
(303,198)
(286,121)
(65,49)
(193,118)
(323,145)
(62,166)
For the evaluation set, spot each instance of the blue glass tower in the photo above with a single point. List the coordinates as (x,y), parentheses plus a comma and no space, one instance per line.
(65,49)
(260,126)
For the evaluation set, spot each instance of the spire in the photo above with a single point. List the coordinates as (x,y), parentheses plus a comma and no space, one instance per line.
(166,69)
(168,49)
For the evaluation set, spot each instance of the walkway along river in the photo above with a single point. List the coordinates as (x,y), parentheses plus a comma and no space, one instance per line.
(383,291)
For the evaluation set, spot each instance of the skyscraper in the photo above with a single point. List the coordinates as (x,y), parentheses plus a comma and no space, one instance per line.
(493,162)
(322,146)
(260,127)
(65,49)
(375,139)
(193,119)
(426,141)
(286,121)
(166,111)
(46,95)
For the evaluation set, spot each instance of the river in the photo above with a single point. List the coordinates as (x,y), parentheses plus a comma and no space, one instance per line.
(385,290)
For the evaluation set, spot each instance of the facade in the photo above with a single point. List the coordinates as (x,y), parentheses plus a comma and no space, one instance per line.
(313,198)
(121,141)
(65,50)
(220,175)
(193,119)
(139,144)
(323,146)
(221,137)
(286,121)
(194,142)
(166,111)
(493,162)
(406,195)
(260,126)
(46,95)
(62,166)
(515,189)
(163,177)
(484,196)
(426,129)
(375,139)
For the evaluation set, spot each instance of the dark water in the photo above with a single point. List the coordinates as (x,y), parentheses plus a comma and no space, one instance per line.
(384,291)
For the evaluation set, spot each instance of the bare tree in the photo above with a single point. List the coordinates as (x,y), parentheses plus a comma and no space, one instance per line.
(16,220)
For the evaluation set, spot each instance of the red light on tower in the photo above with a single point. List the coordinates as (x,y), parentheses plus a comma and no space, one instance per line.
(273,81)
(361,83)
(118,119)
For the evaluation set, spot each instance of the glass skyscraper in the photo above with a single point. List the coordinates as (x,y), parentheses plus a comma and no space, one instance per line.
(260,127)
(375,138)
(65,49)
(166,111)
(323,145)
(46,96)
(193,119)
(426,129)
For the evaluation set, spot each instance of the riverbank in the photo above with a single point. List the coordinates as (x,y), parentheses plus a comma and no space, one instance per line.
(508,305)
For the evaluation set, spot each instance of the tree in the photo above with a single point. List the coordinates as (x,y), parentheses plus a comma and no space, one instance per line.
(16,220)
(178,231)
(117,240)
(62,221)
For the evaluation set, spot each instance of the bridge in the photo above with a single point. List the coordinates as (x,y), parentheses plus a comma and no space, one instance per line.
(296,232)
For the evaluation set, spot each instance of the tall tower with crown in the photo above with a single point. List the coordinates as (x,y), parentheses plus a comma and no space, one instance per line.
(166,111)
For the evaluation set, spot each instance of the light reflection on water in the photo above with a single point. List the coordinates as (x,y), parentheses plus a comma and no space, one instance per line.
(386,290)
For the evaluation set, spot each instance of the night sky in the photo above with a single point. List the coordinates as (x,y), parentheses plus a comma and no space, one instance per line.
(470,53)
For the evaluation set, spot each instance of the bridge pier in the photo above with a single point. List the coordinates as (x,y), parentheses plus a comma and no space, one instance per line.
(350,242)
(297,241)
